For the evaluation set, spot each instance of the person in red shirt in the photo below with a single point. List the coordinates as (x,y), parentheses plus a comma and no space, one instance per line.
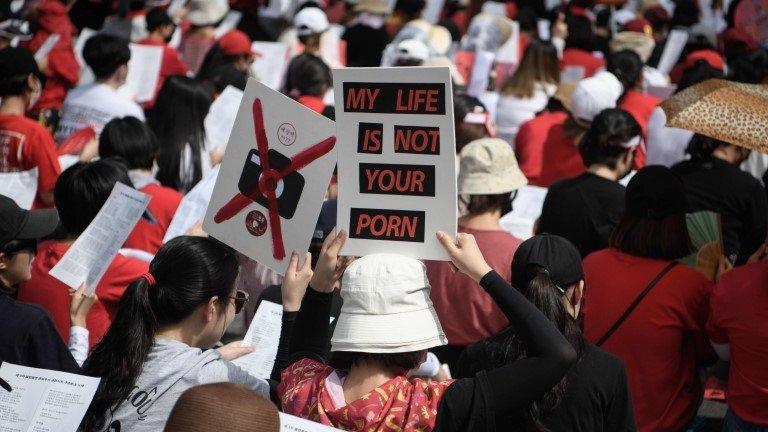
(578,47)
(739,332)
(132,140)
(662,340)
(546,146)
(307,80)
(24,143)
(60,65)
(160,27)
(80,192)
(488,174)
(228,61)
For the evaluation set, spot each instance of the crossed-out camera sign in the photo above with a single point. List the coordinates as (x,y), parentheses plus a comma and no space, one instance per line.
(279,161)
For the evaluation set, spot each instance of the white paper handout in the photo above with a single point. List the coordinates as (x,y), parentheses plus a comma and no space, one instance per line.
(221,116)
(526,209)
(143,72)
(192,207)
(20,186)
(88,258)
(269,67)
(229,22)
(278,164)
(86,75)
(47,46)
(43,400)
(263,335)
(289,423)
(542,25)
(397,170)
(572,74)
(676,41)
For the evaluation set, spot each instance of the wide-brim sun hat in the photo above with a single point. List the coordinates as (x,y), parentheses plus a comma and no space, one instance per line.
(206,12)
(488,166)
(386,307)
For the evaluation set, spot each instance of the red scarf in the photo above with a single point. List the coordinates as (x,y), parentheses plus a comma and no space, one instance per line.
(398,405)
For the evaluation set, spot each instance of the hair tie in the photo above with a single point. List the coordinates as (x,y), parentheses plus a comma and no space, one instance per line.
(149,278)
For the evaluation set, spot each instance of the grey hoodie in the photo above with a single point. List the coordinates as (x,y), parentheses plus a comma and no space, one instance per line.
(171,368)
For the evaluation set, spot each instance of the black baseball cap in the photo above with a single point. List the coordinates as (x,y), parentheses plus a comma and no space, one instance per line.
(551,252)
(19,224)
(16,61)
(655,192)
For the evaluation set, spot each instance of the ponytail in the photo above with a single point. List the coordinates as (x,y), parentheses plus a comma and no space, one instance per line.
(187,272)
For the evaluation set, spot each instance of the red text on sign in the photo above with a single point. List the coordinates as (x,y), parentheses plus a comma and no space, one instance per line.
(417,139)
(416,100)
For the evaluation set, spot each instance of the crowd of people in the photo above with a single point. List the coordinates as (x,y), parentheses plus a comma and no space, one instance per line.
(591,322)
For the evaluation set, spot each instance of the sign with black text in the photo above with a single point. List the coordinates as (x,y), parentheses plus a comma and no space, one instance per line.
(397,179)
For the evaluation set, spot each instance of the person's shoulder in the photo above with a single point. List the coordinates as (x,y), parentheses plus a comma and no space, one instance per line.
(124,269)
(600,257)
(163,193)
(604,360)
(742,278)
(22,314)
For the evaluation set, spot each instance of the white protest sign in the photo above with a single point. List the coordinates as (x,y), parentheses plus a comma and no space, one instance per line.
(481,70)
(20,186)
(143,72)
(273,179)
(221,116)
(89,257)
(271,63)
(229,22)
(509,52)
(275,9)
(47,46)
(526,209)
(264,336)
(192,207)
(676,41)
(289,423)
(397,170)
(43,400)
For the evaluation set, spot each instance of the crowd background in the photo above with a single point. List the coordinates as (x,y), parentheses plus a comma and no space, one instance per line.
(591,324)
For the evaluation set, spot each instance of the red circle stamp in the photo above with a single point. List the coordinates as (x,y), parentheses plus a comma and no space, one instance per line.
(286,134)
(256,223)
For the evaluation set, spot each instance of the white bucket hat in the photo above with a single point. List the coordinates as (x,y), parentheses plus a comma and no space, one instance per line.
(206,12)
(595,94)
(488,167)
(310,20)
(386,307)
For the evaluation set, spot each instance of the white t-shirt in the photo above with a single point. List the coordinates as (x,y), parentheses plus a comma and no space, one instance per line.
(93,104)
(512,111)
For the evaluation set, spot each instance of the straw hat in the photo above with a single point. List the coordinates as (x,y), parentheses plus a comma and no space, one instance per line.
(487,167)
(640,43)
(206,12)
(386,307)
(378,7)
(222,406)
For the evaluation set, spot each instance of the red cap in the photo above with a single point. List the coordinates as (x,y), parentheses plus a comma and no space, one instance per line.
(713,58)
(235,43)
(639,25)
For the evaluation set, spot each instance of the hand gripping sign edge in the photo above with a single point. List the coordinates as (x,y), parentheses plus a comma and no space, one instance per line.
(269,178)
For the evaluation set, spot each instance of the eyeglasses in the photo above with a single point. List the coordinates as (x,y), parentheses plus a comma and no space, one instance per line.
(240,298)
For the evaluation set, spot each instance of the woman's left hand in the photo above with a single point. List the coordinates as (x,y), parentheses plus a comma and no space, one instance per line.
(234,350)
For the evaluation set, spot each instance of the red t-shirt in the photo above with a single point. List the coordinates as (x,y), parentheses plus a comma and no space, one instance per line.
(171,64)
(543,151)
(26,144)
(640,106)
(314,103)
(738,317)
(52,295)
(662,340)
(148,236)
(576,57)
(467,313)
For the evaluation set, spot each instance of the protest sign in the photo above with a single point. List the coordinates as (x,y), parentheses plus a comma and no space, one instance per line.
(672,50)
(221,117)
(278,163)
(20,186)
(143,72)
(397,180)
(43,400)
(47,46)
(230,22)
(88,258)
(481,69)
(526,209)
(264,336)
(270,66)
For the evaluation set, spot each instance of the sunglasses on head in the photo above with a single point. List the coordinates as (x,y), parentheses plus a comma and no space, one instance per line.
(240,298)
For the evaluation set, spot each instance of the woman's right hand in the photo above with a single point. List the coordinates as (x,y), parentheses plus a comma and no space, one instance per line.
(465,254)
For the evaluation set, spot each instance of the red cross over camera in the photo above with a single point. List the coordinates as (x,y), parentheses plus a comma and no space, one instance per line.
(267,175)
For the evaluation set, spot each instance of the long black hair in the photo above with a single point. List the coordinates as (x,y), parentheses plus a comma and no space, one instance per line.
(178,121)
(188,271)
(603,142)
(130,139)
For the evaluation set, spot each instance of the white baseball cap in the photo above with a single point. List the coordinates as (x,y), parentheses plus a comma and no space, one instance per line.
(595,94)
(386,307)
(310,20)
(412,49)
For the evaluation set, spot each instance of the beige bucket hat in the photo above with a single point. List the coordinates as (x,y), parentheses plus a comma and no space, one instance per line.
(488,167)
